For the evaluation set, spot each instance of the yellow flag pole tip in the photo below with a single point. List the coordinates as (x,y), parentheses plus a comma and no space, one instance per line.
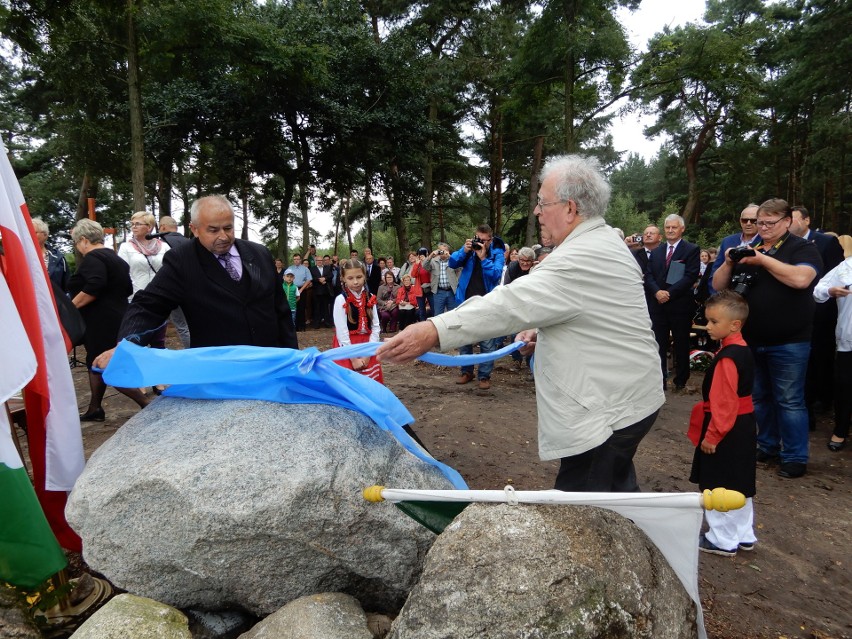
(373,493)
(723,500)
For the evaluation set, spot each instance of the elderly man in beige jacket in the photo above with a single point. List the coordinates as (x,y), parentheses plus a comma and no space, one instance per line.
(598,380)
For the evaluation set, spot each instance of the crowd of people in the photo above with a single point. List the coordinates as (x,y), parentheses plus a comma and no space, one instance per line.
(583,302)
(782,268)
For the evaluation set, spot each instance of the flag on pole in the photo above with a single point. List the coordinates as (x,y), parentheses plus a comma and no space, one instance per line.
(29,553)
(672,521)
(53,423)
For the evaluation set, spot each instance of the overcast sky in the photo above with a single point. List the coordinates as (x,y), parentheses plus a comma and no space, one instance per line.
(641,25)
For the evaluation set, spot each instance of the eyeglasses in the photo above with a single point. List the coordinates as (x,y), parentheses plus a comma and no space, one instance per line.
(138,224)
(525,261)
(539,204)
(748,220)
(767,224)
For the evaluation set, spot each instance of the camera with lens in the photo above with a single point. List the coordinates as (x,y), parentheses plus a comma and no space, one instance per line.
(637,239)
(743,281)
(475,243)
(441,252)
(739,252)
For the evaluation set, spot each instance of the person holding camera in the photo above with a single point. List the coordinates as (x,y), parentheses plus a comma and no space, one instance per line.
(749,236)
(777,279)
(669,277)
(481,262)
(445,280)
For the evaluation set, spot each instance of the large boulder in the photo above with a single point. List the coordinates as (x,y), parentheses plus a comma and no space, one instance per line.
(224,504)
(503,571)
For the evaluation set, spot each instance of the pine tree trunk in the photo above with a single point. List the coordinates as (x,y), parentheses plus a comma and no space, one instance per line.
(137,147)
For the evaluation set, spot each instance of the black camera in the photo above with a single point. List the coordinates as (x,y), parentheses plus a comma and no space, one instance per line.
(441,252)
(637,239)
(739,252)
(475,243)
(743,281)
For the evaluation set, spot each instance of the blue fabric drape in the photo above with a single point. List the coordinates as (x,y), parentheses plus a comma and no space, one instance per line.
(281,375)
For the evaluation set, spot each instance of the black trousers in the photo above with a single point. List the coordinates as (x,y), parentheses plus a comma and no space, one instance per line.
(607,468)
(322,311)
(842,393)
(677,324)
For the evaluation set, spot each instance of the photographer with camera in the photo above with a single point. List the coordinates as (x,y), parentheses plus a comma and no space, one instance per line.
(481,261)
(445,280)
(777,279)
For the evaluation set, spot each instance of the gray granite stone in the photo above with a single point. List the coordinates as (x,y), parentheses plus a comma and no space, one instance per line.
(525,572)
(216,505)
(131,616)
(329,615)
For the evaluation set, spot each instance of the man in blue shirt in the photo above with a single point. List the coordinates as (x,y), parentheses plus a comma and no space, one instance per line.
(748,223)
(304,281)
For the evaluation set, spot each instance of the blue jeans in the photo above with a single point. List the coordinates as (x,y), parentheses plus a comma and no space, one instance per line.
(779,400)
(421,306)
(485,346)
(443,301)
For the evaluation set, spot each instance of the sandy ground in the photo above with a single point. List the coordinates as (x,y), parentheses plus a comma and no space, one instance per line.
(795,583)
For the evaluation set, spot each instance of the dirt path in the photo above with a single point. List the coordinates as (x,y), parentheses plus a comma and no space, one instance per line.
(796,583)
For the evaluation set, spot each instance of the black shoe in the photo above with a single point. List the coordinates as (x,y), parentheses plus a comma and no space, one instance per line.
(93,416)
(792,470)
(763,457)
(836,447)
(157,390)
(748,546)
(705,545)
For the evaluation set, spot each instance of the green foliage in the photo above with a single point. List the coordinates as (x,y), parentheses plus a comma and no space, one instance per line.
(623,214)
(303,106)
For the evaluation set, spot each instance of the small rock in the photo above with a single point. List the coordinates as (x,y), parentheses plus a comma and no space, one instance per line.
(131,616)
(329,615)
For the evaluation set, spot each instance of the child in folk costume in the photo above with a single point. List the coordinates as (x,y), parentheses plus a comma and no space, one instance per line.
(723,427)
(356,318)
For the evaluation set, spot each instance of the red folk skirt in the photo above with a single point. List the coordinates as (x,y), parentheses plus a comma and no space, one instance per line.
(373,369)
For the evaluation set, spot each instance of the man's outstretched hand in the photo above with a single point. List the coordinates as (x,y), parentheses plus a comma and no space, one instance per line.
(409,344)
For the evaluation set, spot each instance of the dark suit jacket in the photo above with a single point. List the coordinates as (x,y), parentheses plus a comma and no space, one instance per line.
(641,257)
(374,277)
(175,239)
(682,299)
(219,311)
(323,290)
(829,250)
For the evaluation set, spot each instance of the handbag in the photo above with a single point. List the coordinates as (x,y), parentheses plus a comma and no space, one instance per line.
(69,316)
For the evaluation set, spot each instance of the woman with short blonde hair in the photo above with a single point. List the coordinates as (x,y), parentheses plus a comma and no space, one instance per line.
(144,257)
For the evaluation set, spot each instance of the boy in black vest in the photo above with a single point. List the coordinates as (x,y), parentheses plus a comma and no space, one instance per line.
(723,427)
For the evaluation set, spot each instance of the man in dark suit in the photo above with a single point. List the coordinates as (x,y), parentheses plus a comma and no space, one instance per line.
(374,273)
(323,274)
(169,232)
(671,273)
(651,239)
(819,382)
(227,288)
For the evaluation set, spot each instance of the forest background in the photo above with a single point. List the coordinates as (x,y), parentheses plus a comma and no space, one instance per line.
(415,121)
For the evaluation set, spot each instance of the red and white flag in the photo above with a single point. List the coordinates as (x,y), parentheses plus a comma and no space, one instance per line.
(53,422)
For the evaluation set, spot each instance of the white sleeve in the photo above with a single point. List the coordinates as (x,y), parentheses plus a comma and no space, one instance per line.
(338,314)
(832,278)
(377,326)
